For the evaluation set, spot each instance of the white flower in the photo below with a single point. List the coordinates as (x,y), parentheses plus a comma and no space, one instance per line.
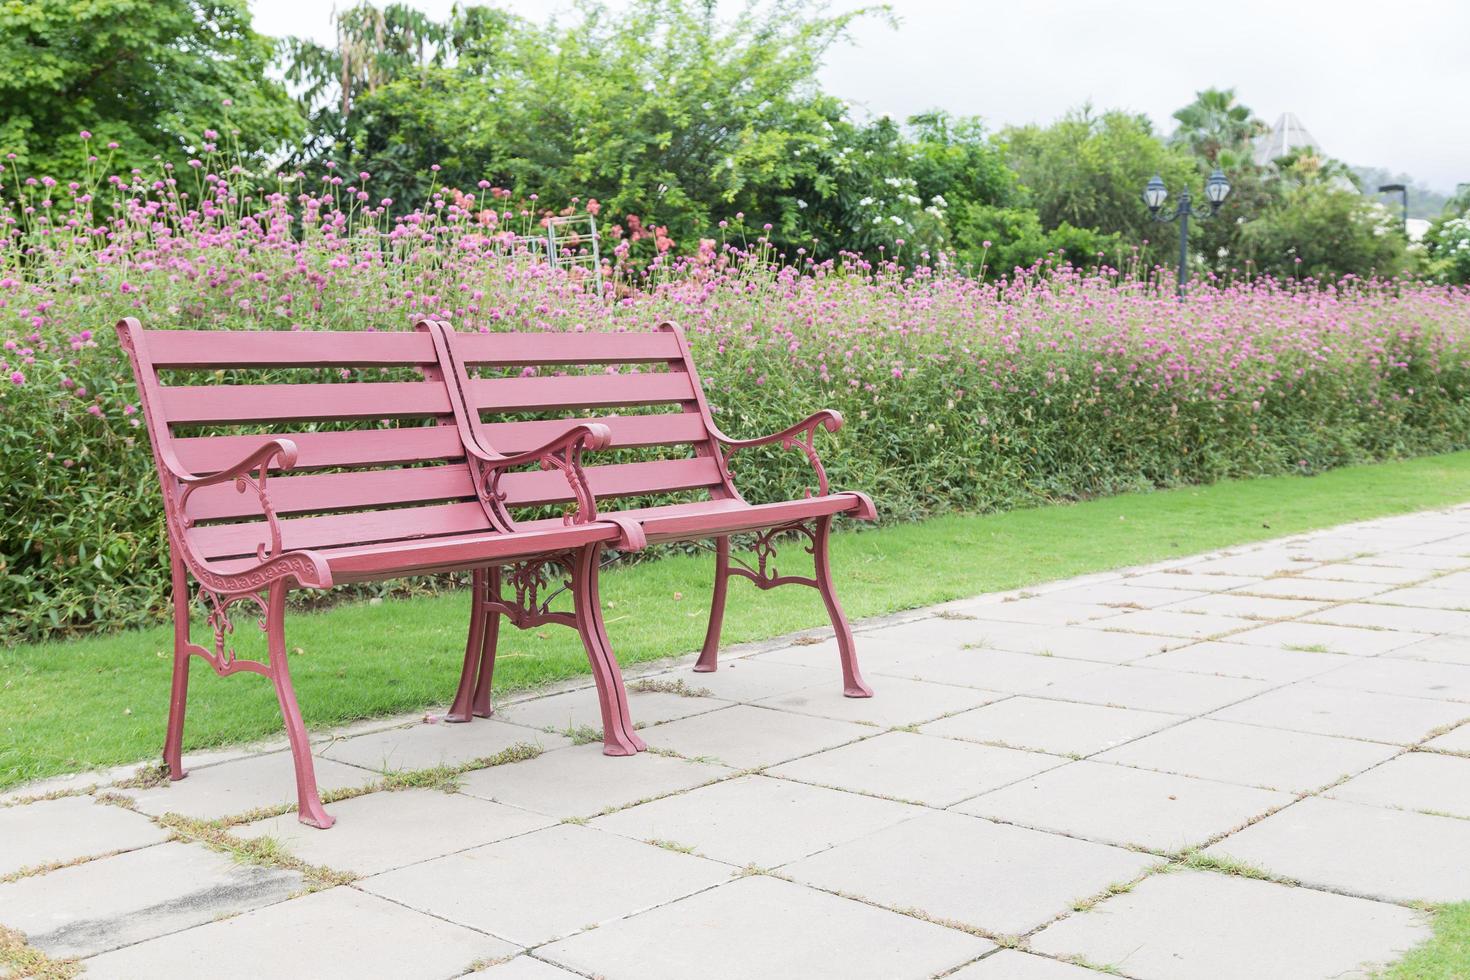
(800,203)
(895,219)
(865,202)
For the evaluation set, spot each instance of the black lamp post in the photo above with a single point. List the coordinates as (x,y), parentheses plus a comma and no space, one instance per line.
(1217,188)
(1399,189)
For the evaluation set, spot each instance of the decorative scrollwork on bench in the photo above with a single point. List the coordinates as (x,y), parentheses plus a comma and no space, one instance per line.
(532,589)
(217,618)
(764,574)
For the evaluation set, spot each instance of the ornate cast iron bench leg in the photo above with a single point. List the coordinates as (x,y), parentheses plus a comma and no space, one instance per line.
(765,576)
(709,654)
(528,605)
(272,621)
(472,699)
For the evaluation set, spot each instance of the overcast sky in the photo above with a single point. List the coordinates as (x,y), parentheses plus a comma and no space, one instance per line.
(1377,84)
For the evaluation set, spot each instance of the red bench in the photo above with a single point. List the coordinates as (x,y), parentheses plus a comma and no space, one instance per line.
(501,374)
(402,476)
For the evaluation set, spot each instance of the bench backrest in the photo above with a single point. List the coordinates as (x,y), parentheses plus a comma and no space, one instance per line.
(378,460)
(521,389)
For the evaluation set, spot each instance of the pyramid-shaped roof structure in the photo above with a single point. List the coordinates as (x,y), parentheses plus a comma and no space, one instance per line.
(1287,135)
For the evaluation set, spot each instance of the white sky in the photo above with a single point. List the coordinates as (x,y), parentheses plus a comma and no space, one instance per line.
(1377,84)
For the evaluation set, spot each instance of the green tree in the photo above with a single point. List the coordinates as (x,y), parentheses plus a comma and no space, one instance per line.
(1088,170)
(661,110)
(1318,224)
(151,75)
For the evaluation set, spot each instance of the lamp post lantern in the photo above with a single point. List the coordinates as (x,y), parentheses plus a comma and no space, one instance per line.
(1403,190)
(1217,189)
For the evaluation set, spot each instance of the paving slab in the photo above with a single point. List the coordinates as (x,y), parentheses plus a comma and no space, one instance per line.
(1292,762)
(1309,707)
(757,820)
(1450,553)
(1190,925)
(1169,691)
(1196,626)
(1268,608)
(580,708)
(1126,593)
(764,927)
(1425,781)
(876,649)
(897,702)
(111,902)
(425,746)
(1060,727)
(1374,616)
(1191,581)
(1409,678)
(1453,581)
(1265,561)
(338,933)
(1325,638)
(65,829)
(1092,642)
(547,884)
(1012,964)
(1130,807)
(1424,598)
(382,831)
(1241,660)
(1037,611)
(582,782)
(959,868)
(1391,855)
(1451,648)
(1379,574)
(918,768)
(748,679)
(995,670)
(1323,590)
(237,787)
(747,737)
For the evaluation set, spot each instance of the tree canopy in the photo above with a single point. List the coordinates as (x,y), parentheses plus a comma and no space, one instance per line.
(149,75)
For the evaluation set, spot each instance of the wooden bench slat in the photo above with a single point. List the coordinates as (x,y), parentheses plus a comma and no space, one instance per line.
(336,491)
(332,530)
(184,349)
(218,404)
(524,488)
(357,447)
(663,429)
(580,391)
(509,349)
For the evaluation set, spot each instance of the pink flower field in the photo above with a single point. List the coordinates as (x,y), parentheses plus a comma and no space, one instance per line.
(1049,383)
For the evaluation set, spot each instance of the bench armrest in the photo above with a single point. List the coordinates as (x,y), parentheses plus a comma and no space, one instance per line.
(563,453)
(250,474)
(802,435)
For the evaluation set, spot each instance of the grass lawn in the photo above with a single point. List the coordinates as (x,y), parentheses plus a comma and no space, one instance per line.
(80,704)
(1445,956)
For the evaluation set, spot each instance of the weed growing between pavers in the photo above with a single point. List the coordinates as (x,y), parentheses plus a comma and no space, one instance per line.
(266,852)
(579,734)
(650,685)
(21,959)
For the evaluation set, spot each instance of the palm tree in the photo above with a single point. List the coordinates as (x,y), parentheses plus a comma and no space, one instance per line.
(1214,123)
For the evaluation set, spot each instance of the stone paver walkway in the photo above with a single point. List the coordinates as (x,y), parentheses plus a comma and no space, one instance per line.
(1245,764)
